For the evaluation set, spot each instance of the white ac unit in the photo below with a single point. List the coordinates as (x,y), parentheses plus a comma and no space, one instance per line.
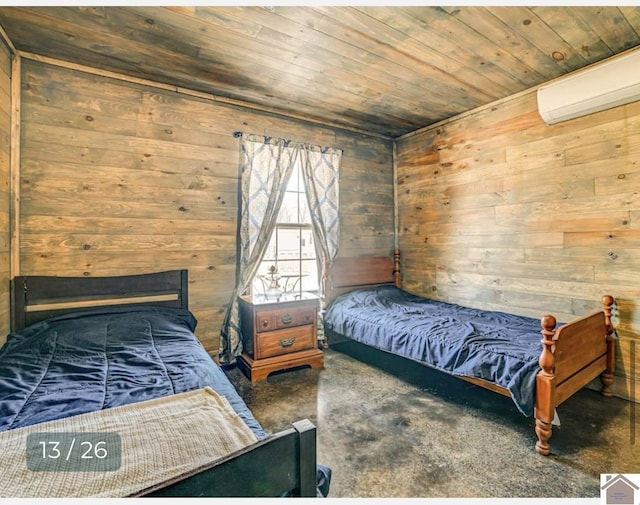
(601,86)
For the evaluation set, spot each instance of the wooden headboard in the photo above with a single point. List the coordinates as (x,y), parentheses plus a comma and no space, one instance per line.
(35,298)
(348,274)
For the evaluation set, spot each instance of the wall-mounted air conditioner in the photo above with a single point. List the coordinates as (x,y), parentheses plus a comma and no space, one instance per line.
(601,86)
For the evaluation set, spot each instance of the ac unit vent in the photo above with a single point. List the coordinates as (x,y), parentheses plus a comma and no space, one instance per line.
(601,86)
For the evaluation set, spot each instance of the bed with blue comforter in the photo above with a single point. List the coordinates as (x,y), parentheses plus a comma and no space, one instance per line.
(494,346)
(537,362)
(107,357)
(85,344)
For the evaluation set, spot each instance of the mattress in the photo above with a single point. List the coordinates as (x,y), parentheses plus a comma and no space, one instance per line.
(101,358)
(494,346)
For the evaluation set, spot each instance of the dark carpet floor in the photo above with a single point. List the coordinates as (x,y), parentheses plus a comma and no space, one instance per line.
(388,427)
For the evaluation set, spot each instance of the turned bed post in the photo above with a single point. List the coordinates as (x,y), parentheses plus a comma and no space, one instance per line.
(545,386)
(397,279)
(607,376)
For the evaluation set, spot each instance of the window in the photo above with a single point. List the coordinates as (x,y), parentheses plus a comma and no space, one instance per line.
(290,262)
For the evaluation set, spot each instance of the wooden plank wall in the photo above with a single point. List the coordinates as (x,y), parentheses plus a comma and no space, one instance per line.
(123,178)
(499,210)
(5,198)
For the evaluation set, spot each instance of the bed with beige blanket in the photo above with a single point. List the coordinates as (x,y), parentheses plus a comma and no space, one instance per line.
(108,371)
(64,461)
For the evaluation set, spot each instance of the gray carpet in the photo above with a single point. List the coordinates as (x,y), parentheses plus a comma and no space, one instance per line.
(391,428)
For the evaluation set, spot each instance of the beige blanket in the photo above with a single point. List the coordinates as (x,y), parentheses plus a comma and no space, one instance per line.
(160,439)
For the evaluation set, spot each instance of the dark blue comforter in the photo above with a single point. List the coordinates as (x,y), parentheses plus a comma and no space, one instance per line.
(104,358)
(495,346)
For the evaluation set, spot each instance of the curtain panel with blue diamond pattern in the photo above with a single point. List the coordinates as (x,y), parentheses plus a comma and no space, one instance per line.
(266,166)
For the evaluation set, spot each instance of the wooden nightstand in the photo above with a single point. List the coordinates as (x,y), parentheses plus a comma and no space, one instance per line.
(278,334)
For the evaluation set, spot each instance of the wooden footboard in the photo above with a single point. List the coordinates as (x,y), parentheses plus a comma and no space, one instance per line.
(286,461)
(572,356)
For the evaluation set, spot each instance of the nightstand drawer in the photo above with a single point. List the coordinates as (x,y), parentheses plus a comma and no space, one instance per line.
(285,341)
(267,320)
(278,333)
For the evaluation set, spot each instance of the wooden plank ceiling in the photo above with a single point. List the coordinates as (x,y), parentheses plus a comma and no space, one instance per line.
(382,70)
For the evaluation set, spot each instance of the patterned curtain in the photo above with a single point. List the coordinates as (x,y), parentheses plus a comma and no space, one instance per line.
(265,170)
(266,167)
(320,175)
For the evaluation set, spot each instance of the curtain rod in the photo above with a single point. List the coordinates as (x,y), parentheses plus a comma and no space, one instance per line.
(237,134)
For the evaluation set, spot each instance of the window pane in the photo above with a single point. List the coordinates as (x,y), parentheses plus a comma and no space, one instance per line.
(270,254)
(295,183)
(263,279)
(289,210)
(305,213)
(266,267)
(290,267)
(309,280)
(307,248)
(288,243)
(290,275)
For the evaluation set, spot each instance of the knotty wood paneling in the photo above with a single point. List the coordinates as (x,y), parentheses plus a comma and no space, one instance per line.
(123,178)
(5,198)
(383,70)
(499,210)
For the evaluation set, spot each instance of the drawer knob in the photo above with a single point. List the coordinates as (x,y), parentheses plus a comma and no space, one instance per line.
(287,342)
(265,323)
(286,318)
